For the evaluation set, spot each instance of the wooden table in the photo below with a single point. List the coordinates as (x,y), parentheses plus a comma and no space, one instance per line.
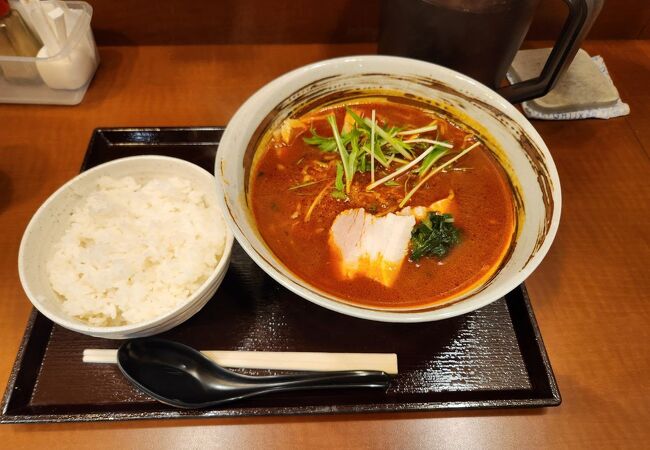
(590,294)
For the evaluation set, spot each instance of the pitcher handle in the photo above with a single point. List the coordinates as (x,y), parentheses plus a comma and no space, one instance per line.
(582,14)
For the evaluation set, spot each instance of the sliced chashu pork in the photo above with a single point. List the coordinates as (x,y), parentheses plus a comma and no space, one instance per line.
(376,247)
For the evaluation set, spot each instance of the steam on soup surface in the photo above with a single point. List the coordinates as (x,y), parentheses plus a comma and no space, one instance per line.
(382,203)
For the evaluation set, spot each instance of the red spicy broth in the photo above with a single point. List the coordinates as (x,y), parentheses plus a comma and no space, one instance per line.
(290,177)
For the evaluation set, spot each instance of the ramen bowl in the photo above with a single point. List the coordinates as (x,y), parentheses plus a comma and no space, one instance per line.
(517,146)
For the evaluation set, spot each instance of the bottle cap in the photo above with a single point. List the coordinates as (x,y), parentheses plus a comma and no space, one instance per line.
(4,8)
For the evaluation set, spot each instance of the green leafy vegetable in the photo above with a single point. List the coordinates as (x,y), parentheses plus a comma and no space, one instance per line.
(325,144)
(362,164)
(388,136)
(366,143)
(343,152)
(437,153)
(353,161)
(379,155)
(426,178)
(433,126)
(339,188)
(434,236)
(360,122)
(338,183)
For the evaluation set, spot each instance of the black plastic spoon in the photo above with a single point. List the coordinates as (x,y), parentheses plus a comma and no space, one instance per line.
(180,376)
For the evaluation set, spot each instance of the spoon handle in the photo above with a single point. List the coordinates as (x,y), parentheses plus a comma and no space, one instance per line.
(246,386)
(346,378)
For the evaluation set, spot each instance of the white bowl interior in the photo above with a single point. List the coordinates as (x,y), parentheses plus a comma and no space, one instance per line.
(525,155)
(51,220)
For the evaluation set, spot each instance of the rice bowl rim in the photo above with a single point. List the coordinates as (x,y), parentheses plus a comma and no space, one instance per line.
(44,212)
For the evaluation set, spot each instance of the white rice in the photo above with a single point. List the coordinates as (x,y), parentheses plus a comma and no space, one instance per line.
(135,250)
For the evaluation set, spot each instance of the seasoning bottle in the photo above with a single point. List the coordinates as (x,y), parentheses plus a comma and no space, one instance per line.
(16,39)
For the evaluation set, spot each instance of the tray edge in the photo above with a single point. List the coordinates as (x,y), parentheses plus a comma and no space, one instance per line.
(552,381)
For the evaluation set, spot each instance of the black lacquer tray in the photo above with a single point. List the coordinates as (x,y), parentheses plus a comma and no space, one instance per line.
(490,358)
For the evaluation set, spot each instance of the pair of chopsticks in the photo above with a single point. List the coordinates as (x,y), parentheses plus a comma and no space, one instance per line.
(308,361)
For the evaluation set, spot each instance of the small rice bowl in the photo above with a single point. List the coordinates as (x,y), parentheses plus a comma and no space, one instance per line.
(135,250)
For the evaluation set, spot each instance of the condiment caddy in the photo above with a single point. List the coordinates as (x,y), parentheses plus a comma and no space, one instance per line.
(47,52)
